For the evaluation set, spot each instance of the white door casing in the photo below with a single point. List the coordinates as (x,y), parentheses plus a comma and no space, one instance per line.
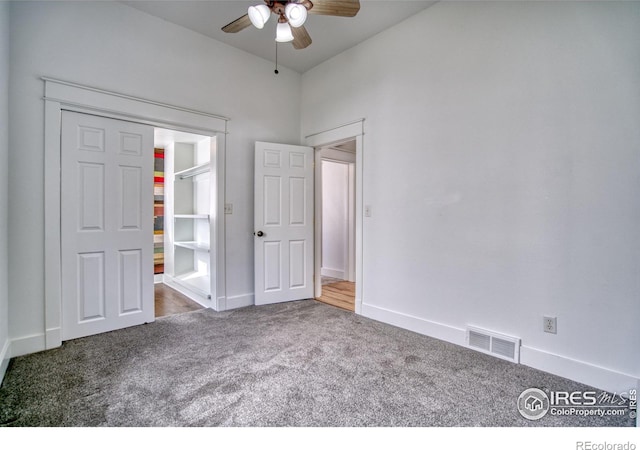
(106,224)
(283,219)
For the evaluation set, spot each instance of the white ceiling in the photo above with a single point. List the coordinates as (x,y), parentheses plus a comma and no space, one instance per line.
(331,35)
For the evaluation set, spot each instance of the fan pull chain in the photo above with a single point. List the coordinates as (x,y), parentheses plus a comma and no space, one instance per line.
(276,71)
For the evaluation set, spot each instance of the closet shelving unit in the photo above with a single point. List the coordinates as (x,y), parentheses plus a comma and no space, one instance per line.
(188,209)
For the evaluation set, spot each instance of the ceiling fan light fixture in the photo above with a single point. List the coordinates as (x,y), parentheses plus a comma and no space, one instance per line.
(283,32)
(296,14)
(258,15)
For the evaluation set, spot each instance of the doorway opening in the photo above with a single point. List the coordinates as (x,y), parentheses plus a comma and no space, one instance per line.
(336,222)
(182,210)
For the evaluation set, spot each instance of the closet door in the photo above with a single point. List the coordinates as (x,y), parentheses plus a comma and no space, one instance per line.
(106,224)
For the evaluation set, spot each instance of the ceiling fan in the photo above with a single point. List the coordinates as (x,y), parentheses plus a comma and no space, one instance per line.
(291,17)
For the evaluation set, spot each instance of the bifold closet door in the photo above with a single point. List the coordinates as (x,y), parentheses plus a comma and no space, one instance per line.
(106,224)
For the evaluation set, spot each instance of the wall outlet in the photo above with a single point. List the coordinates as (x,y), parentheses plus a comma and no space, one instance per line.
(367,210)
(550,324)
(228,208)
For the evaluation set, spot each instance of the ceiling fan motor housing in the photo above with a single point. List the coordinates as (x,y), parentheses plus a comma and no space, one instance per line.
(278,7)
(291,17)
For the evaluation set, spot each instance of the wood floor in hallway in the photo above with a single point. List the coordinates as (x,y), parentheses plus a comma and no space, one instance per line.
(169,301)
(341,294)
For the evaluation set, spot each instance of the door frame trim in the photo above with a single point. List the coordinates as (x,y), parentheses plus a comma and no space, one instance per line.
(339,134)
(64,95)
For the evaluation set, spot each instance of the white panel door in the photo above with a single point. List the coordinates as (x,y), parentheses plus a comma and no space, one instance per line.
(283,208)
(106,224)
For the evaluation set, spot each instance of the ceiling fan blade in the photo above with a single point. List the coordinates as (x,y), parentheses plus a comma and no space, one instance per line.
(237,25)
(342,8)
(301,38)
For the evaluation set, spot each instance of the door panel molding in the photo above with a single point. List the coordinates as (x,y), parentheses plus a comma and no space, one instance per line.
(283,221)
(106,227)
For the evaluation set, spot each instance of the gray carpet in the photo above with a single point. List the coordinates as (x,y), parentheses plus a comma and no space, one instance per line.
(294,364)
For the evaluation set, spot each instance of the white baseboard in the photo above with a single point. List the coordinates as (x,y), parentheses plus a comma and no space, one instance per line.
(580,371)
(412,323)
(53,338)
(5,356)
(239,301)
(358,306)
(157,278)
(333,273)
(28,344)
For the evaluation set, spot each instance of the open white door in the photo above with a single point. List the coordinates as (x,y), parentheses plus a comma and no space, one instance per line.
(106,224)
(283,208)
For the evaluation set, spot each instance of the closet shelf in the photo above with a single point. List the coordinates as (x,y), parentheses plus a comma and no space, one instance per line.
(191,216)
(197,281)
(190,240)
(192,171)
(193,245)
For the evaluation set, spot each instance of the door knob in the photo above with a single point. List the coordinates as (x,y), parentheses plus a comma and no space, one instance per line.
(259,233)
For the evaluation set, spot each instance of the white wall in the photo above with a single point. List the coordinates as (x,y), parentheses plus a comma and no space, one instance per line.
(335,226)
(4,186)
(115,47)
(502,163)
